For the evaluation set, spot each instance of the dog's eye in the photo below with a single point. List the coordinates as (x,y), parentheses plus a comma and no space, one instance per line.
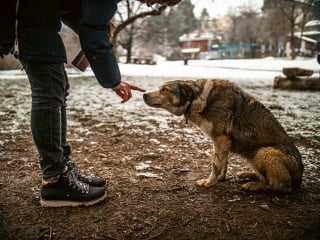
(164,89)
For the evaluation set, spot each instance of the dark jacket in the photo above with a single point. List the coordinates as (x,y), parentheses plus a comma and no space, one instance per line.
(7,29)
(39,23)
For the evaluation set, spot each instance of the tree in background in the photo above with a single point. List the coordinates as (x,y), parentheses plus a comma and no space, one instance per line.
(162,33)
(294,14)
(313,5)
(249,29)
(217,26)
(146,31)
(274,28)
(152,30)
(180,20)
(246,26)
(128,23)
(204,14)
(153,35)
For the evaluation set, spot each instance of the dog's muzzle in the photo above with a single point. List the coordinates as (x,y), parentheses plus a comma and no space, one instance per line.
(145,97)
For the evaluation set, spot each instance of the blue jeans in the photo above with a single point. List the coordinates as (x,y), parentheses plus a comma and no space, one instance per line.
(49,86)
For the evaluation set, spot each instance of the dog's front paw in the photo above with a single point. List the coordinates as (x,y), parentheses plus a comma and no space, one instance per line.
(204,183)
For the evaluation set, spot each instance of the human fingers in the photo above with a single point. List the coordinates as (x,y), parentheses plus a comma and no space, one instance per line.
(126,95)
(121,91)
(126,92)
(137,88)
(121,95)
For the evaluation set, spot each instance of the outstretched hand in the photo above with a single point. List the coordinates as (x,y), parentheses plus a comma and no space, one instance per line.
(123,90)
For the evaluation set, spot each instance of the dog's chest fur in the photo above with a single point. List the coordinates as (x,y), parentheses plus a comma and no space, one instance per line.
(197,107)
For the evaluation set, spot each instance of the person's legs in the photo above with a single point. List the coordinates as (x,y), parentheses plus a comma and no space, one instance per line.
(47,83)
(61,185)
(66,148)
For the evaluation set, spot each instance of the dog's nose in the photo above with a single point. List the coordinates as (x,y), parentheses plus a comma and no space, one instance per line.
(145,96)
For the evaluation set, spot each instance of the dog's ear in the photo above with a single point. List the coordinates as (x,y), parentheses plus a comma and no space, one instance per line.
(188,90)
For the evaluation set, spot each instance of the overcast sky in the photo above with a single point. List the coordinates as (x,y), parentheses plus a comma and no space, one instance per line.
(219,8)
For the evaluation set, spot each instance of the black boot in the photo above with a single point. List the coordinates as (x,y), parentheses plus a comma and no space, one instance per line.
(67,190)
(93,181)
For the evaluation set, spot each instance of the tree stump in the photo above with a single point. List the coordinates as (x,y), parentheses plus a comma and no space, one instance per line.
(296,72)
(297,79)
(309,83)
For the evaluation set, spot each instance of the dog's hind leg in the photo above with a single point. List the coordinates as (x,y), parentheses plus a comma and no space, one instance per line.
(219,162)
(272,164)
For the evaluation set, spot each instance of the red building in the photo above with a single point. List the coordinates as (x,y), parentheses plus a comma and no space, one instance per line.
(194,43)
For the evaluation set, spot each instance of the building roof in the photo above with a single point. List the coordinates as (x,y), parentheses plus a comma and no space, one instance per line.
(311,33)
(313,23)
(196,36)
(190,50)
(308,39)
(303,37)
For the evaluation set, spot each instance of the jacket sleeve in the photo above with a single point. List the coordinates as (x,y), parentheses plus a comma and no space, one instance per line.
(7,26)
(93,30)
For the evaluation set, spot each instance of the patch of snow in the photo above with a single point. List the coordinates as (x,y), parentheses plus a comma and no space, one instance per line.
(142,166)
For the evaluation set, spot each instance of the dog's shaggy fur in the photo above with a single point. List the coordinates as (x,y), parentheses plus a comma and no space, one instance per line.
(236,122)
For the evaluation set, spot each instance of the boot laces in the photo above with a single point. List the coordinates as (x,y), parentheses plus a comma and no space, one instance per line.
(73,167)
(76,183)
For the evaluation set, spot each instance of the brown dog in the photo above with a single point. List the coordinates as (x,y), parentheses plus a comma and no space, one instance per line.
(236,122)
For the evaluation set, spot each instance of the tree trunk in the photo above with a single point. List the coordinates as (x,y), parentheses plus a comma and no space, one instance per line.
(307,83)
(131,20)
(129,49)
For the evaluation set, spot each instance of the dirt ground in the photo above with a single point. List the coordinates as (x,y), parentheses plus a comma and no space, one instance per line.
(151,161)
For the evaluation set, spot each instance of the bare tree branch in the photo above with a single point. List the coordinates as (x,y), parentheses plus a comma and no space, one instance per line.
(132,19)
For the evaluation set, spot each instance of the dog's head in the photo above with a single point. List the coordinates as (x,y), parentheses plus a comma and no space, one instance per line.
(174,96)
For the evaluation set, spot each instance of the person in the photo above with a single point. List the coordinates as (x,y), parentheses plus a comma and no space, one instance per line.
(35,26)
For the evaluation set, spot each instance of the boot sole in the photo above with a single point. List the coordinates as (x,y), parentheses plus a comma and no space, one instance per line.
(66,203)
